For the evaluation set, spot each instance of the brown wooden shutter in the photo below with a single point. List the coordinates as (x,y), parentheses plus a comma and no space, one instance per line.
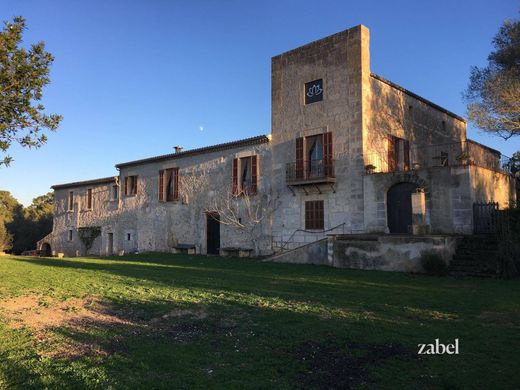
(176,183)
(299,158)
(406,148)
(161,185)
(327,155)
(254,174)
(392,154)
(126,186)
(235,176)
(134,187)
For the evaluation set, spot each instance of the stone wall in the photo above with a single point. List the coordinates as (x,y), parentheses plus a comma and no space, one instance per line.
(341,60)
(103,213)
(447,194)
(143,223)
(492,186)
(391,110)
(390,253)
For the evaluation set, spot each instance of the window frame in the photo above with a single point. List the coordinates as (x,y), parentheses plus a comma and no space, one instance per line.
(90,200)
(314,215)
(131,190)
(70,201)
(237,174)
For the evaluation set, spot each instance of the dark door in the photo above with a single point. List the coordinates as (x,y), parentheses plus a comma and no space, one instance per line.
(110,250)
(399,207)
(213,233)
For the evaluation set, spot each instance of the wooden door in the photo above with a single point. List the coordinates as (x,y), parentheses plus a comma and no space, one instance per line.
(399,208)
(213,233)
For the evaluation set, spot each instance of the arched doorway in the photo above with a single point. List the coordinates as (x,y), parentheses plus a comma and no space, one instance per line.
(45,250)
(399,207)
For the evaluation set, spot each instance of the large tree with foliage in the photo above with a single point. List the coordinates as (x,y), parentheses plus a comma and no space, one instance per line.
(23,74)
(493,94)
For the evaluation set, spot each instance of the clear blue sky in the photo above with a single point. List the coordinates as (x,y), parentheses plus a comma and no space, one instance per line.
(134,78)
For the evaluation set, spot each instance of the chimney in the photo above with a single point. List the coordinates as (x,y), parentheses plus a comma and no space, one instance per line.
(178,149)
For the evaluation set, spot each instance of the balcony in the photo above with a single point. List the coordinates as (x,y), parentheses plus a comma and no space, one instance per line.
(310,172)
(440,155)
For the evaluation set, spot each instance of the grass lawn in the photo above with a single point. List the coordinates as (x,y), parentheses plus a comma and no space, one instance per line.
(173,321)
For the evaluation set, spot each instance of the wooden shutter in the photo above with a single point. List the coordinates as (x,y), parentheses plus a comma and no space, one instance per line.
(406,149)
(299,158)
(134,186)
(175,183)
(392,154)
(161,185)
(327,155)
(126,185)
(254,174)
(314,215)
(235,176)
(89,198)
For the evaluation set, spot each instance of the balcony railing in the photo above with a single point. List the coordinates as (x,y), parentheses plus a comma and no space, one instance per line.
(441,155)
(310,172)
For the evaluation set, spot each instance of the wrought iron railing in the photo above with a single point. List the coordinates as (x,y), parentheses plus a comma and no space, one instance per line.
(309,170)
(441,155)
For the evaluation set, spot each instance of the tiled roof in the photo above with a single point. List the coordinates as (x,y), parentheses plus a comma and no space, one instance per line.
(207,149)
(85,183)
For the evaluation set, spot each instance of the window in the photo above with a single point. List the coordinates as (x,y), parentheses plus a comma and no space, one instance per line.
(128,236)
(89,199)
(169,185)
(70,206)
(398,154)
(114,194)
(314,156)
(70,235)
(130,185)
(314,214)
(314,91)
(245,175)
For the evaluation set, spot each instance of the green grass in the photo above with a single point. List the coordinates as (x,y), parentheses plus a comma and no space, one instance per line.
(246,324)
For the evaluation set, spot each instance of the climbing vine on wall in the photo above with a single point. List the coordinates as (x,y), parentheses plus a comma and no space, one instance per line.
(88,234)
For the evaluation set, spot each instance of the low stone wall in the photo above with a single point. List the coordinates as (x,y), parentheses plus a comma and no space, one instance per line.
(313,253)
(388,252)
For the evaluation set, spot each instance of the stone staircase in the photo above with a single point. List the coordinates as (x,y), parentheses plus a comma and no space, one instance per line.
(475,256)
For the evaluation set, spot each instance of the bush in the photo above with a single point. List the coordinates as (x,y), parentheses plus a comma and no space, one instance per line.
(433,264)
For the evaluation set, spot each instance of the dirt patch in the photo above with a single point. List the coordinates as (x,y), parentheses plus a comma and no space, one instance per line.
(40,313)
(89,326)
(43,314)
(332,364)
(198,314)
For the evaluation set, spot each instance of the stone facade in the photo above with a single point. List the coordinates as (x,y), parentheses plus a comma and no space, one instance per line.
(342,139)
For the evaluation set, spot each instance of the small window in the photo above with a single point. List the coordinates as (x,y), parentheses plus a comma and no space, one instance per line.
(70,235)
(130,185)
(70,206)
(314,91)
(89,199)
(114,192)
(314,218)
(128,236)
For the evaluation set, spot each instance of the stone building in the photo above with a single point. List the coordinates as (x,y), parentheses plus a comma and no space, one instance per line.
(349,153)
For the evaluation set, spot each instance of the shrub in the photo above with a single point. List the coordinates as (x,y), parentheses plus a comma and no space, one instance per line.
(433,264)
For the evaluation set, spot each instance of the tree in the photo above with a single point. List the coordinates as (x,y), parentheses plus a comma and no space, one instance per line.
(8,206)
(23,74)
(30,224)
(493,93)
(245,213)
(6,239)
